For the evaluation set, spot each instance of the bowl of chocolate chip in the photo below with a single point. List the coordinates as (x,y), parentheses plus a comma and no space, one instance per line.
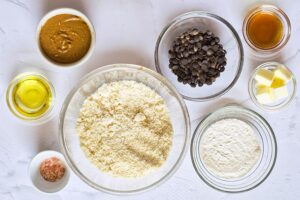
(201,54)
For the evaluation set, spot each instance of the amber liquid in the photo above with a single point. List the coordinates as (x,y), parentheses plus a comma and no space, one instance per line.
(265,30)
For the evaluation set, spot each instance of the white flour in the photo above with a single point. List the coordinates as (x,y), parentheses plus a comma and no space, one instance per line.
(229,148)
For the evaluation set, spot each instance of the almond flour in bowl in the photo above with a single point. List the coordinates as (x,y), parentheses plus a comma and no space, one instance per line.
(70,140)
(125,129)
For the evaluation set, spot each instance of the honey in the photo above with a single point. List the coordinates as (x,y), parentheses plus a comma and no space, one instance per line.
(265,30)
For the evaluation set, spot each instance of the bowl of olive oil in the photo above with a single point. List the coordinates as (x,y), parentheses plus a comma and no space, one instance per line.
(30,97)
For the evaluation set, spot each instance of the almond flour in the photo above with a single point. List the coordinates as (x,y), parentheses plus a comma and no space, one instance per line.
(125,129)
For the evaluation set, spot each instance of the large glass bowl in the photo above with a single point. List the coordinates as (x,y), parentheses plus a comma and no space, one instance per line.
(228,38)
(264,165)
(70,140)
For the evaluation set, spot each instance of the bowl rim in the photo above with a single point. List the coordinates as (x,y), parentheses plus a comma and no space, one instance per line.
(251,89)
(263,120)
(132,67)
(223,21)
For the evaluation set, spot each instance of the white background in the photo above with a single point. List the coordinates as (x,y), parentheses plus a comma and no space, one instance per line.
(126,32)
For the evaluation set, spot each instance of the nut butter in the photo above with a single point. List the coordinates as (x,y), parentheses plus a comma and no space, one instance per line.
(65,38)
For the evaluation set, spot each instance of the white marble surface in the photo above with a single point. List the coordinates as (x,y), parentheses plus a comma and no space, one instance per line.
(126,32)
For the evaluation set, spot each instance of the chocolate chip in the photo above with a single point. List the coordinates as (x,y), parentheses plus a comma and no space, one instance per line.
(205,48)
(209,52)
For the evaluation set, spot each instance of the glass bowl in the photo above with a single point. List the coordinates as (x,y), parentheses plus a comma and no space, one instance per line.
(263,167)
(228,38)
(34,120)
(277,105)
(70,141)
(286,29)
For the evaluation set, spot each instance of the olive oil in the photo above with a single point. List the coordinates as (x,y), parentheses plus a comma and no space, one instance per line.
(265,30)
(31,96)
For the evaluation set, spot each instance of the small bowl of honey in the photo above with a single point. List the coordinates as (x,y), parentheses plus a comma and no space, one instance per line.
(266,29)
(30,97)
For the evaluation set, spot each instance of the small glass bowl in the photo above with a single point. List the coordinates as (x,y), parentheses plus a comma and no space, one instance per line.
(263,167)
(280,104)
(286,29)
(228,38)
(30,120)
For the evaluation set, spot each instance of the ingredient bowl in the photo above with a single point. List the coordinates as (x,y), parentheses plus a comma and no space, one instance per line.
(259,172)
(39,182)
(278,104)
(230,40)
(69,11)
(18,94)
(270,10)
(69,139)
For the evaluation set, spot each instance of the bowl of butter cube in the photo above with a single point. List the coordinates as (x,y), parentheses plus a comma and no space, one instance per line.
(272,86)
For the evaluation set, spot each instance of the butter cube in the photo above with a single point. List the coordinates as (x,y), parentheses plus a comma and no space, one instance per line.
(265,95)
(264,77)
(280,92)
(280,89)
(282,73)
(278,82)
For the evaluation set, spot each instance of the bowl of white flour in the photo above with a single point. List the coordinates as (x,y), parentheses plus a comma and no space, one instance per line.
(233,149)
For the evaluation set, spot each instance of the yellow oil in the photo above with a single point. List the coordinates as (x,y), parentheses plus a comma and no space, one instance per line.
(32,96)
